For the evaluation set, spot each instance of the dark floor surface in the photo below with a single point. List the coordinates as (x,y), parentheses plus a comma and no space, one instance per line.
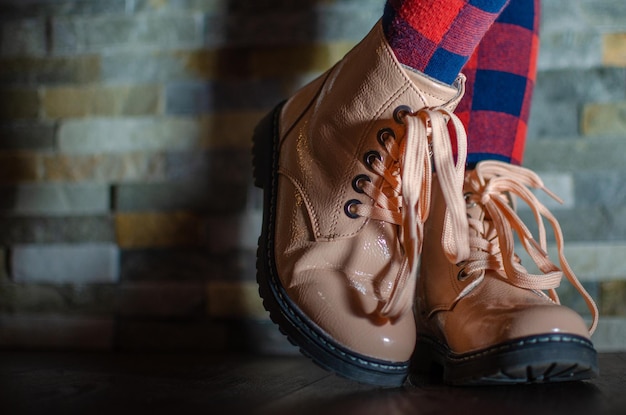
(79,383)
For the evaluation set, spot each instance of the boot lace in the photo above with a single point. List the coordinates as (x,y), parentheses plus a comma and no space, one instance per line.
(404,197)
(493,185)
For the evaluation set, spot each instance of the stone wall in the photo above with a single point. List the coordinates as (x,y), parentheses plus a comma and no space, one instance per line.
(127,216)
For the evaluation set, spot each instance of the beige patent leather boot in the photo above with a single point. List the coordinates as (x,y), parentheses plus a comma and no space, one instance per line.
(487,319)
(345,165)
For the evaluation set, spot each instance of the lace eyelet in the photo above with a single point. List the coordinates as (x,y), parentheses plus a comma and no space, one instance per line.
(468,203)
(349,208)
(400,112)
(357,182)
(384,135)
(370,156)
(462,276)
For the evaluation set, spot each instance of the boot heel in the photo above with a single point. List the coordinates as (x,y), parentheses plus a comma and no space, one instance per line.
(263,147)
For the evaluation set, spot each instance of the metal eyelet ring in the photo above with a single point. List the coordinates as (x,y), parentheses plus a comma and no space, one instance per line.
(370,156)
(384,135)
(462,276)
(349,208)
(357,182)
(401,112)
(468,203)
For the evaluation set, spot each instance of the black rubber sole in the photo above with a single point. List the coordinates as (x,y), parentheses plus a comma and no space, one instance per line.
(537,359)
(299,329)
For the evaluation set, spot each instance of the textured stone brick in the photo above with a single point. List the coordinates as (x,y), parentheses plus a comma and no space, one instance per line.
(66,299)
(27,135)
(235,299)
(588,224)
(65,102)
(559,95)
(200,98)
(104,167)
(228,167)
(19,103)
(575,154)
(19,167)
(161,31)
(45,199)
(604,119)
(571,298)
(567,50)
(118,135)
(142,336)
(53,230)
(164,299)
(152,229)
(61,7)
(234,232)
(186,265)
(605,188)
(613,298)
(562,185)
(50,70)
(196,195)
(23,37)
(4,275)
(610,335)
(65,263)
(50,332)
(614,49)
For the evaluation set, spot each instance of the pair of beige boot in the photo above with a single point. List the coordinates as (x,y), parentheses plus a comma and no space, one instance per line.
(380,254)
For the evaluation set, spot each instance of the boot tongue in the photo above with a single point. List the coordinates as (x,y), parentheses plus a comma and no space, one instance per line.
(438,93)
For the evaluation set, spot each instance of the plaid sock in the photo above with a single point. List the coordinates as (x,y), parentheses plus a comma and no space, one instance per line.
(437,37)
(500,81)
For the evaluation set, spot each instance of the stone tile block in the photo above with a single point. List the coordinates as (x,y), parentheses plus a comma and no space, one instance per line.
(196,195)
(562,185)
(119,135)
(614,49)
(161,31)
(19,167)
(64,8)
(156,229)
(234,232)
(200,98)
(50,70)
(162,299)
(228,167)
(235,300)
(610,335)
(159,335)
(85,101)
(613,298)
(136,166)
(571,298)
(87,263)
(54,299)
(186,265)
(559,95)
(53,230)
(604,119)
(592,261)
(27,136)
(19,103)
(4,274)
(605,188)
(54,199)
(567,50)
(23,37)
(575,154)
(53,332)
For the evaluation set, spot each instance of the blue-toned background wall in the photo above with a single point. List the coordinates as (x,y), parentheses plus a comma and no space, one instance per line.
(127,216)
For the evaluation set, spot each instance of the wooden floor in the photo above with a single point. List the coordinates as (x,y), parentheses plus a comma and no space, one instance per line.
(32,383)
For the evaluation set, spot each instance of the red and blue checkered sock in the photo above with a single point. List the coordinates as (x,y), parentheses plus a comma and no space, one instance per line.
(500,81)
(437,37)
